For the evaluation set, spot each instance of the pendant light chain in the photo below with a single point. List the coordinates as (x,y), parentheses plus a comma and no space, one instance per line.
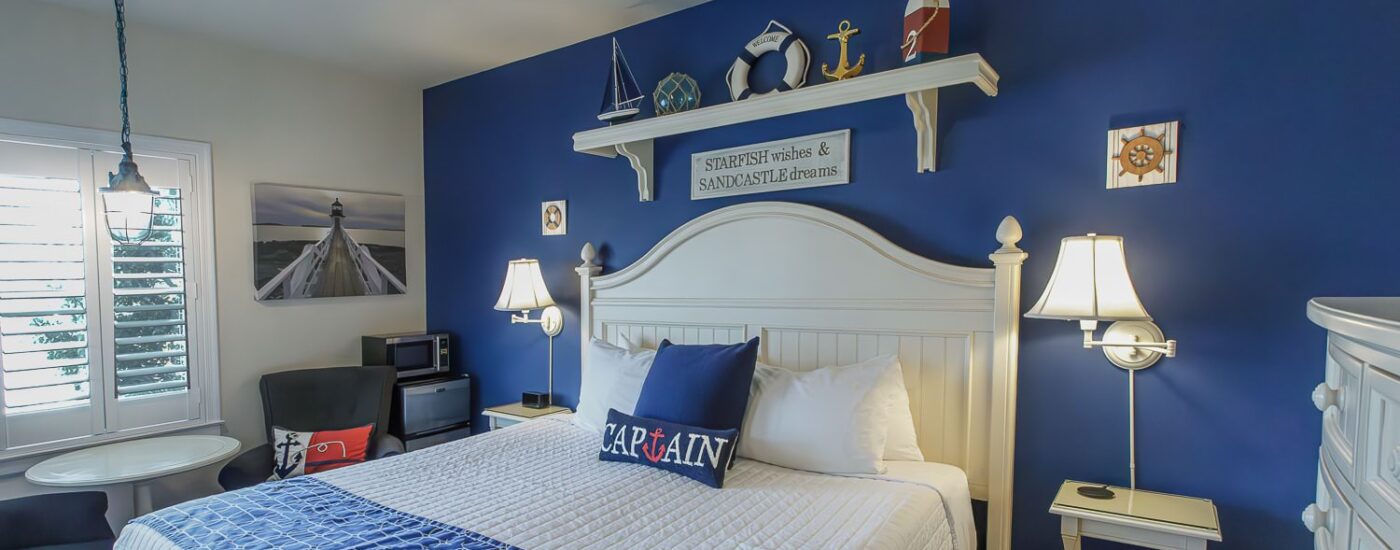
(128,200)
(121,53)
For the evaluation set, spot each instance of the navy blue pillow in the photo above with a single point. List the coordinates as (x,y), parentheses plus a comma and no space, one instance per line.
(696,453)
(705,386)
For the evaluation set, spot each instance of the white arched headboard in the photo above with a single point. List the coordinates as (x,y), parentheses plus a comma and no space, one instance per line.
(821,289)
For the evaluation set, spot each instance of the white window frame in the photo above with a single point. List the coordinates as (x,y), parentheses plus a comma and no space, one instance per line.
(200,282)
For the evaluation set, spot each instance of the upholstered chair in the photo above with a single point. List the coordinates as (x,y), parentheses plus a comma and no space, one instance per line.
(314,400)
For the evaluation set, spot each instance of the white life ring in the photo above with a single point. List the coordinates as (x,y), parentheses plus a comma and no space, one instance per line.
(782,39)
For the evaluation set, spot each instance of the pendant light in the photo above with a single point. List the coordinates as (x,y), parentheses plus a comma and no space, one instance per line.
(129,202)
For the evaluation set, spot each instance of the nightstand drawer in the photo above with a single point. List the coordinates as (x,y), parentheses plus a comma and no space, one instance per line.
(499,422)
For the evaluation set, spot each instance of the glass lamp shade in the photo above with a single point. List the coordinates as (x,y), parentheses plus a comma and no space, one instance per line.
(524,289)
(1090,283)
(129,204)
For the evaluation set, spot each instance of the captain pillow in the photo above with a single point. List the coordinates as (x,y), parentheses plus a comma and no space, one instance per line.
(612,379)
(697,453)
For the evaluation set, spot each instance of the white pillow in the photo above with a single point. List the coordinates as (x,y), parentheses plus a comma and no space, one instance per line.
(903,441)
(831,420)
(612,379)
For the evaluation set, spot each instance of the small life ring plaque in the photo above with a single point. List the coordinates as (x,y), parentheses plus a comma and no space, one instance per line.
(775,38)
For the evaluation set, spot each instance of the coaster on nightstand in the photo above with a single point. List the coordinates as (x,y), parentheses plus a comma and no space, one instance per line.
(1101,493)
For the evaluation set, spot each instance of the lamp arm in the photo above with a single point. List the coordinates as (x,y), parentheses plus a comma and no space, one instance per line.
(524,317)
(551,320)
(1167,348)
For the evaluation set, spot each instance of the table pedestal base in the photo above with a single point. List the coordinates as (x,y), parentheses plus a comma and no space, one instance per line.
(141,491)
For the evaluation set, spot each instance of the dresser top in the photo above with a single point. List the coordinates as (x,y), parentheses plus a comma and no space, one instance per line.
(1372,320)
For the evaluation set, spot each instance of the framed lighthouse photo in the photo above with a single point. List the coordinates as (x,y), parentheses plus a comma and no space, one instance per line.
(324,243)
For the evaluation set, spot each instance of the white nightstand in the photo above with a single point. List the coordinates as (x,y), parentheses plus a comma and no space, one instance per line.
(1142,518)
(511,414)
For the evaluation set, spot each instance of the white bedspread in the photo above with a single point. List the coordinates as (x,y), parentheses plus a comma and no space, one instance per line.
(540,485)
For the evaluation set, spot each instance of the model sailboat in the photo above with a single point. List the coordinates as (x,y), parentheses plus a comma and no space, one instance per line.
(622,99)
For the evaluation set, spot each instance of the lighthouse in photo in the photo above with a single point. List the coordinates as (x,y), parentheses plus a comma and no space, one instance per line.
(926,30)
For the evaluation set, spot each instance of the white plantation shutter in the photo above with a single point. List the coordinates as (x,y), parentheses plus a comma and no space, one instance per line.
(148,287)
(97,339)
(46,344)
(43,309)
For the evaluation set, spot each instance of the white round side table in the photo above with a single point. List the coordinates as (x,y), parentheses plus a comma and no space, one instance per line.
(137,462)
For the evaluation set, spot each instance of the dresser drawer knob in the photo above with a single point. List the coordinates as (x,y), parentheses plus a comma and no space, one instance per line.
(1324,397)
(1314,518)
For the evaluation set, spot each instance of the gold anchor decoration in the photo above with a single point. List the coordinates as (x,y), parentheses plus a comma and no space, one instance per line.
(843,71)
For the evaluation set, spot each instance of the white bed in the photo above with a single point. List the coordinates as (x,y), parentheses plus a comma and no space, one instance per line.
(819,289)
(540,485)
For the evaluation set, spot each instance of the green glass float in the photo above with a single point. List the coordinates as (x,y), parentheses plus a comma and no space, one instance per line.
(676,93)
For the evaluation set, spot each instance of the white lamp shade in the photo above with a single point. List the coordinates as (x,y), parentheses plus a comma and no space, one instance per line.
(524,289)
(1090,283)
(129,215)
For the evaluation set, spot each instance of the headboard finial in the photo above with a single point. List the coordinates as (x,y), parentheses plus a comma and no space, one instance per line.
(1009,233)
(588,254)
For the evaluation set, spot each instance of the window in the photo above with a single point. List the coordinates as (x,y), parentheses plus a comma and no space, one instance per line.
(100,340)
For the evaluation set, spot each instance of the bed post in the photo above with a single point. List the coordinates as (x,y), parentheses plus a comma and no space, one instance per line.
(1006,326)
(586,272)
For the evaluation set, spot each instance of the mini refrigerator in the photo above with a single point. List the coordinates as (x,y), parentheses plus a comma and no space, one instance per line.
(432,411)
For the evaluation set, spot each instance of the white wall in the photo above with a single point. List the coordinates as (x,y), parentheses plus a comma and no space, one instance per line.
(270,119)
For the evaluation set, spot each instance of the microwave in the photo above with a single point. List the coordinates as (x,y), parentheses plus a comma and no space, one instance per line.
(411,353)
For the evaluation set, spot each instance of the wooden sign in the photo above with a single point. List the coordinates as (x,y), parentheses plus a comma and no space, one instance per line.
(810,161)
(1142,155)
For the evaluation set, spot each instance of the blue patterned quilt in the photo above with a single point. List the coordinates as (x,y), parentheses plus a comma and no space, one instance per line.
(304,513)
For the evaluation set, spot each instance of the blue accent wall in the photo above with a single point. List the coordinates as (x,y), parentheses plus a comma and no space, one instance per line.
(1288,190)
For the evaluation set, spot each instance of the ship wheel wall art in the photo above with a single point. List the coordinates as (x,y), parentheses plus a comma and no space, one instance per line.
(1142,155)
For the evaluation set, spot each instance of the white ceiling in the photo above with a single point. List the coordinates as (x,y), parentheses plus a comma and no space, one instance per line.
(422,42)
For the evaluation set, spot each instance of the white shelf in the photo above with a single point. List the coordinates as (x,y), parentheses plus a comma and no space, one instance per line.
(919,84)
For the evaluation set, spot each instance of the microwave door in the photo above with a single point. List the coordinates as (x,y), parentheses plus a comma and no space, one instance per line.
(413,356)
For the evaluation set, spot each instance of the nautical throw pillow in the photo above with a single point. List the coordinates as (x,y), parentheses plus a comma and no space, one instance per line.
(696,453)
(298,453)
(705,386)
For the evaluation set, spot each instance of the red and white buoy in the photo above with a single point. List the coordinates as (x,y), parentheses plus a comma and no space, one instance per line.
(926,30)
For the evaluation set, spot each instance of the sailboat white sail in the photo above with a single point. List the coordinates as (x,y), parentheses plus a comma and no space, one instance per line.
(622,98)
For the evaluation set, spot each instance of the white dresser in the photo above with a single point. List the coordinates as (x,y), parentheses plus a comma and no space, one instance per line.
(1358,478)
